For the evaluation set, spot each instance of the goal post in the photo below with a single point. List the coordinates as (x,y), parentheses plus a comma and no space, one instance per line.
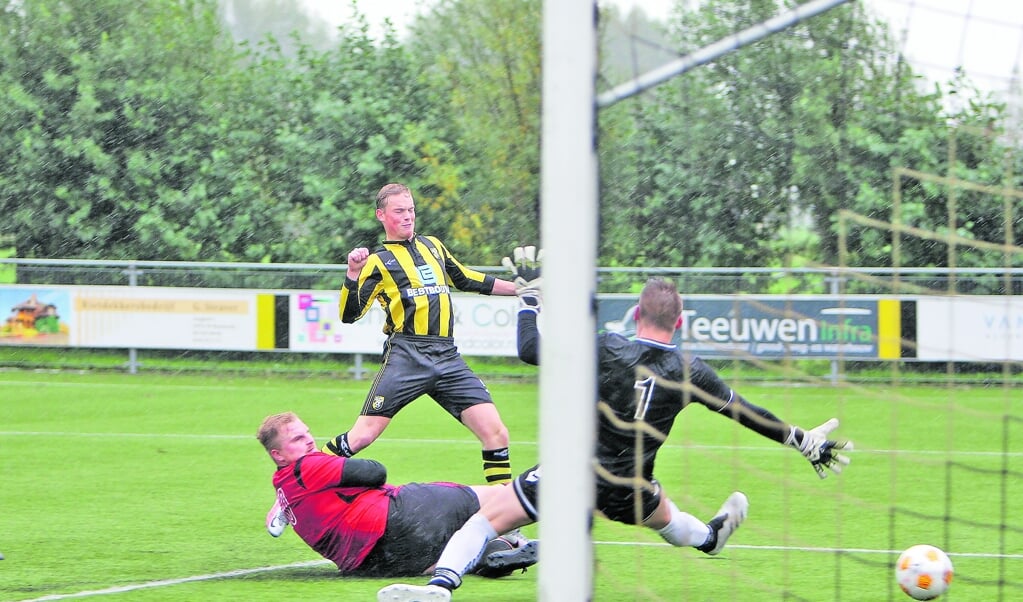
(568,228)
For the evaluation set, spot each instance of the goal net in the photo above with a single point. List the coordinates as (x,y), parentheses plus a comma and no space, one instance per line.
(934,253)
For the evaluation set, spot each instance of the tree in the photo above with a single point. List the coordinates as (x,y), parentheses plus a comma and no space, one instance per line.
(100,109)
(283,23)
(481,61)
(147,134)
(774,138)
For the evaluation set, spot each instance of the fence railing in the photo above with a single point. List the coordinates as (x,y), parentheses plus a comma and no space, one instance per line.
(691,280)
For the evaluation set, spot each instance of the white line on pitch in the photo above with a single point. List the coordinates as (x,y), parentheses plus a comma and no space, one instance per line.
(243,572)
(748,448)
(815,549)
(168,582)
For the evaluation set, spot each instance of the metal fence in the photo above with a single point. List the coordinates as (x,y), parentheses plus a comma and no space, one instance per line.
(692,280)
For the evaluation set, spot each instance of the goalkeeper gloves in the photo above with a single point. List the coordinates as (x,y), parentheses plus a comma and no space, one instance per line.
(525,268)
(818,449)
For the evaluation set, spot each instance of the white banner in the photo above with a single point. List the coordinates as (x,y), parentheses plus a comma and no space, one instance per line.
(484,325)
(969,329)
(163,318)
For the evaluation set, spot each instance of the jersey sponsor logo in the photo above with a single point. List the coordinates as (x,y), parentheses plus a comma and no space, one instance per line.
(426,274)
(378,402)
(427,290)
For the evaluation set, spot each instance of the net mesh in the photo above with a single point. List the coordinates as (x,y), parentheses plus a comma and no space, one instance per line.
(937,423)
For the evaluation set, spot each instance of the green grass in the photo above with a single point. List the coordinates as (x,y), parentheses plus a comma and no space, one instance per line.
(154,484)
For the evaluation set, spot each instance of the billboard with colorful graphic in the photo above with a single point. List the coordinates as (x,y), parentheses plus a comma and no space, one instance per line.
(35,316)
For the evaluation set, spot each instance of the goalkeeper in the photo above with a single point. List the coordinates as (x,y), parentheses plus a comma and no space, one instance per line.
(644,383)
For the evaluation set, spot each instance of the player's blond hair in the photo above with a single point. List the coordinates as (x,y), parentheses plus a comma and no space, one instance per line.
(390,190)
(270,430)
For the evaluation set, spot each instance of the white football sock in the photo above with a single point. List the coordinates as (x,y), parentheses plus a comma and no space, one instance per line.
(466,546)
(684,529)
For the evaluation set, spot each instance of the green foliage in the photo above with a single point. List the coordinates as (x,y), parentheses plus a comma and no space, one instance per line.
(149,133)
(8,273)
(726,160)
(481,62)
(99,139)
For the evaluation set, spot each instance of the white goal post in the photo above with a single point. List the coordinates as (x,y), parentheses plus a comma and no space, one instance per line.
(568,231)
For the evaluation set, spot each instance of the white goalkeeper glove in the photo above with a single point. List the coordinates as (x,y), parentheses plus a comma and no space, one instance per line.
(525,268)
(819,450)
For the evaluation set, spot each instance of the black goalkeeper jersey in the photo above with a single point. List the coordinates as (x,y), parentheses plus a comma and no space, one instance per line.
(412,280)
(644,380)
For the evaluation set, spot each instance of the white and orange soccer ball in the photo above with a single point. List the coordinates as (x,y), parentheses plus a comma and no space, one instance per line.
(924,572)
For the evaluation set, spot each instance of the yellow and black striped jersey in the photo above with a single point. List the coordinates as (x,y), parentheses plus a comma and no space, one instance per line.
(412,280)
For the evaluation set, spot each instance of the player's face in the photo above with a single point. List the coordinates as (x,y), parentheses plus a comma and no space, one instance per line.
(398,216)
(295,441)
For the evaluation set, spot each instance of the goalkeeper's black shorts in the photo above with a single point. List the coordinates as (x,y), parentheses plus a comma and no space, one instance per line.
(618,502)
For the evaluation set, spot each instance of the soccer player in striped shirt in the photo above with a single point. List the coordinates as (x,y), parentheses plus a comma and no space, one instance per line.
(411,276)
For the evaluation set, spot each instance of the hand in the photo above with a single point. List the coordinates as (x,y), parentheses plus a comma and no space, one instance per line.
(820,451)
(525,268)
(356,260)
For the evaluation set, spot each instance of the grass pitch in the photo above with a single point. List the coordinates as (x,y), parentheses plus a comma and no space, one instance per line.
(153,487)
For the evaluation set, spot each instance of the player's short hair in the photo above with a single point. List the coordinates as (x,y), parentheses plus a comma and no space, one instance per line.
(269,432)
(660,304)
(390,190)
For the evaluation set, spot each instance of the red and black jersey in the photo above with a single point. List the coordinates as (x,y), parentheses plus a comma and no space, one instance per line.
(342,523)
(412,280)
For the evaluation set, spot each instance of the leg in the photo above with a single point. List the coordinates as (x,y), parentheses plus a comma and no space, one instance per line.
(365,431)
(501,509)
(676,527)
(459,391)
(484,422)
(398,381)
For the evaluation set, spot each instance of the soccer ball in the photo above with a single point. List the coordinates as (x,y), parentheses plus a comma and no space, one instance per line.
(924,572)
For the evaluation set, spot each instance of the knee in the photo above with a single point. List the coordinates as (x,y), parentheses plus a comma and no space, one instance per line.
(495,437)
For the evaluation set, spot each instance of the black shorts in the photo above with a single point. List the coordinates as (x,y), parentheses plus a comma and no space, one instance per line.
(618,502)
(613,501)
(421,519)
(416,365)
(527,486)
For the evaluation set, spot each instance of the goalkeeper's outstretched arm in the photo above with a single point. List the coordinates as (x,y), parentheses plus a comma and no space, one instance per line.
(814,444)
